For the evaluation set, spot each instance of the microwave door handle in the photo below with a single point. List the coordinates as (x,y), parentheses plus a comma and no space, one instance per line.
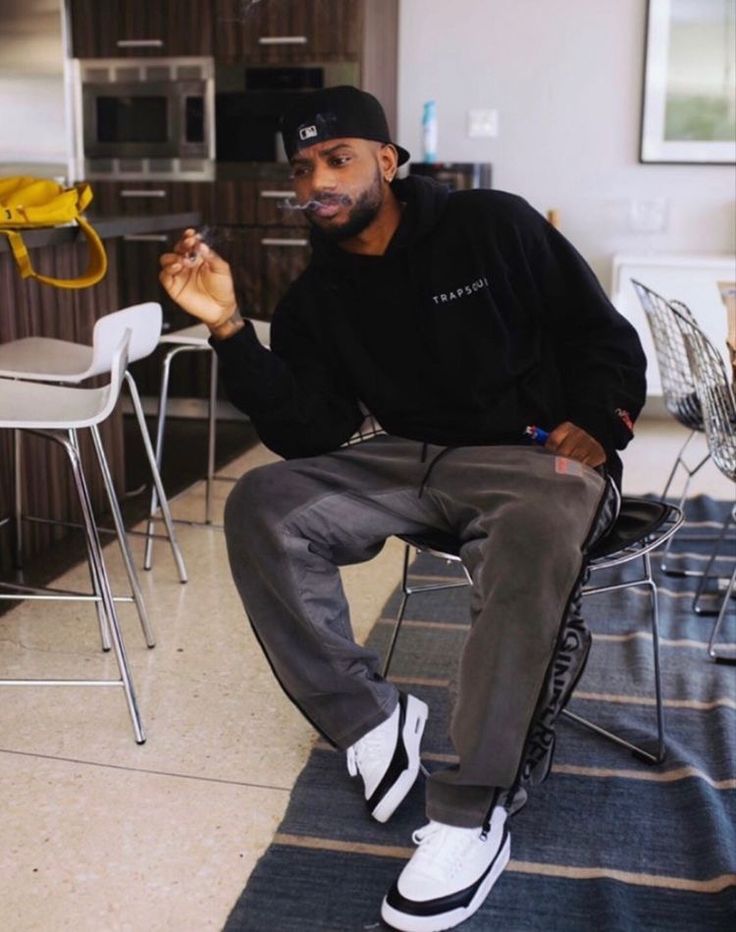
(140,43)
(282,40)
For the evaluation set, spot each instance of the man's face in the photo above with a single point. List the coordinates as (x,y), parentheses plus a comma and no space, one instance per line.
(339,183)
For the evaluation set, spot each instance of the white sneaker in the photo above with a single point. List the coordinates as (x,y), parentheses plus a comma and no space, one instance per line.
(387,758)
(449,875)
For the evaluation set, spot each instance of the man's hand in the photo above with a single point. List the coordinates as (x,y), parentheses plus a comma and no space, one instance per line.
(199,280)
(569,440)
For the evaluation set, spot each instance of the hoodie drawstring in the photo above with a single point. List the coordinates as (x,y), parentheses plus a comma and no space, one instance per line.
(432,463)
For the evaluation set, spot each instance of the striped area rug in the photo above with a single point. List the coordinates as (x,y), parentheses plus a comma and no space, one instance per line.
(606,843)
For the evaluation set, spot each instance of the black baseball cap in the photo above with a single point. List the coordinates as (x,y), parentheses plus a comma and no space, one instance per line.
(335,113)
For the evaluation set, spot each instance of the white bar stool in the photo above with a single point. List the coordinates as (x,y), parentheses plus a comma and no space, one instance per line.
(192,339)
(51,360)
(57,413)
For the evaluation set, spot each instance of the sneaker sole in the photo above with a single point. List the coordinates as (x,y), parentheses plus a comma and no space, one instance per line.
(416,718)
(405,922)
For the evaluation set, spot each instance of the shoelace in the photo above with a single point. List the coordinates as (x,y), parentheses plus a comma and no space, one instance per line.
(442,848)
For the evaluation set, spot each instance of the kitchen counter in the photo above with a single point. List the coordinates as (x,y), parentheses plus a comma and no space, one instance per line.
(107,228)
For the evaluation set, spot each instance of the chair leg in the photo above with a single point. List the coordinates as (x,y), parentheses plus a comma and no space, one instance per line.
(654,596)
(638,751)
(156,477)
(670,570)
(95,550)
(122,538)
(706,575)
(405,593)
(211,438)
(18,499)
(102,621)
(727,595)
(159,453)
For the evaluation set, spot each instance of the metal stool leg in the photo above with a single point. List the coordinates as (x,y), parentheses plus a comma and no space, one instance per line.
(159,452)
(17,499)
(106,591)
(68,441)
(105,641)
(122,537)
(211,438)
(156,476)
(160,429)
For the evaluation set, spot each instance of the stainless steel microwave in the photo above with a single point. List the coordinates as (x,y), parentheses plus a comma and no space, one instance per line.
(147,118)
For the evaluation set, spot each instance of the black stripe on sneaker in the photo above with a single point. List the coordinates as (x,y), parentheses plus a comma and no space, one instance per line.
(442,904)
(399,761)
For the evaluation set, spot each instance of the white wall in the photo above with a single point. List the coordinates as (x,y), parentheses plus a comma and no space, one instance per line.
(565,76)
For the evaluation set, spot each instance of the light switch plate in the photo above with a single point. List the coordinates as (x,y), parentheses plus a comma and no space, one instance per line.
(482,124)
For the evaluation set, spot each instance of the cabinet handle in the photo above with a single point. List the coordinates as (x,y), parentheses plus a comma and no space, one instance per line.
(268,241)
(140,43)
(282,40)
(145,238)
(142,192)
(277,194)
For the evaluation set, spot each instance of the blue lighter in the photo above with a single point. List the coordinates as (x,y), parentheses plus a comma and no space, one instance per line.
(536,434)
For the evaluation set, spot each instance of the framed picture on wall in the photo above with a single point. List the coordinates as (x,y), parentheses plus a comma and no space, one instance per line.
(689,93)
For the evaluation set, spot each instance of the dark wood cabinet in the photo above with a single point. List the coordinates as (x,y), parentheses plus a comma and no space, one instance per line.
(266,244)
(128,198)
(240,246)
(140,28)
(257,201)
(286,31)
(234,202)
(284,254)
(264,261)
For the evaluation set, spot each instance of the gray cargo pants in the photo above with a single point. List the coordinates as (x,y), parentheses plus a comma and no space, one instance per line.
(523,516)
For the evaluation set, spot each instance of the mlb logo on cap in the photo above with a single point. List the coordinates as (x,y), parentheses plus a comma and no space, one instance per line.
(342,112)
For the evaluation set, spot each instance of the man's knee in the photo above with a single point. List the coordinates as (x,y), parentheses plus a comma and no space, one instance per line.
(250,500)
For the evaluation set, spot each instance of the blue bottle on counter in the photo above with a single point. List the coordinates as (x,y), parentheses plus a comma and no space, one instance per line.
(429,131)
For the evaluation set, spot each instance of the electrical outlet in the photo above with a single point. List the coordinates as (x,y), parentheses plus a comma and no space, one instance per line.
(482,124)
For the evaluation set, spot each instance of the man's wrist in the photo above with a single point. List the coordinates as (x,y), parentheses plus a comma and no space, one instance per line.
(228,327)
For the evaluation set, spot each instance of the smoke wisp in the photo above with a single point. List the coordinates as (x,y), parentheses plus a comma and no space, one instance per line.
(342,199)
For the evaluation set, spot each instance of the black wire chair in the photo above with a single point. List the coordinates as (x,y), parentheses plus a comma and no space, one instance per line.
(641,527)
(716,399)
(680,399)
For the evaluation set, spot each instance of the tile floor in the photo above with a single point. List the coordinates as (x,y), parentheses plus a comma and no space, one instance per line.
(99,833)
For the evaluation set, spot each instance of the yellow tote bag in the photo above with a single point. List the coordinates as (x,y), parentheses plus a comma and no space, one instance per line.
(32,203)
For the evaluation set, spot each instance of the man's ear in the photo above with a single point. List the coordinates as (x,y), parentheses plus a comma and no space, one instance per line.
(389,161)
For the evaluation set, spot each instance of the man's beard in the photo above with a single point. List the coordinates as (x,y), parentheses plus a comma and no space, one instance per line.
(363,212)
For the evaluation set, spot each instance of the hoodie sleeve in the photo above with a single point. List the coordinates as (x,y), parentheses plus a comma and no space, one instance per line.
(297,402)
(598,353)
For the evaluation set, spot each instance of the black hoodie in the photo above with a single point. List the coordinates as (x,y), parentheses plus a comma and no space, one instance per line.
(479,320)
